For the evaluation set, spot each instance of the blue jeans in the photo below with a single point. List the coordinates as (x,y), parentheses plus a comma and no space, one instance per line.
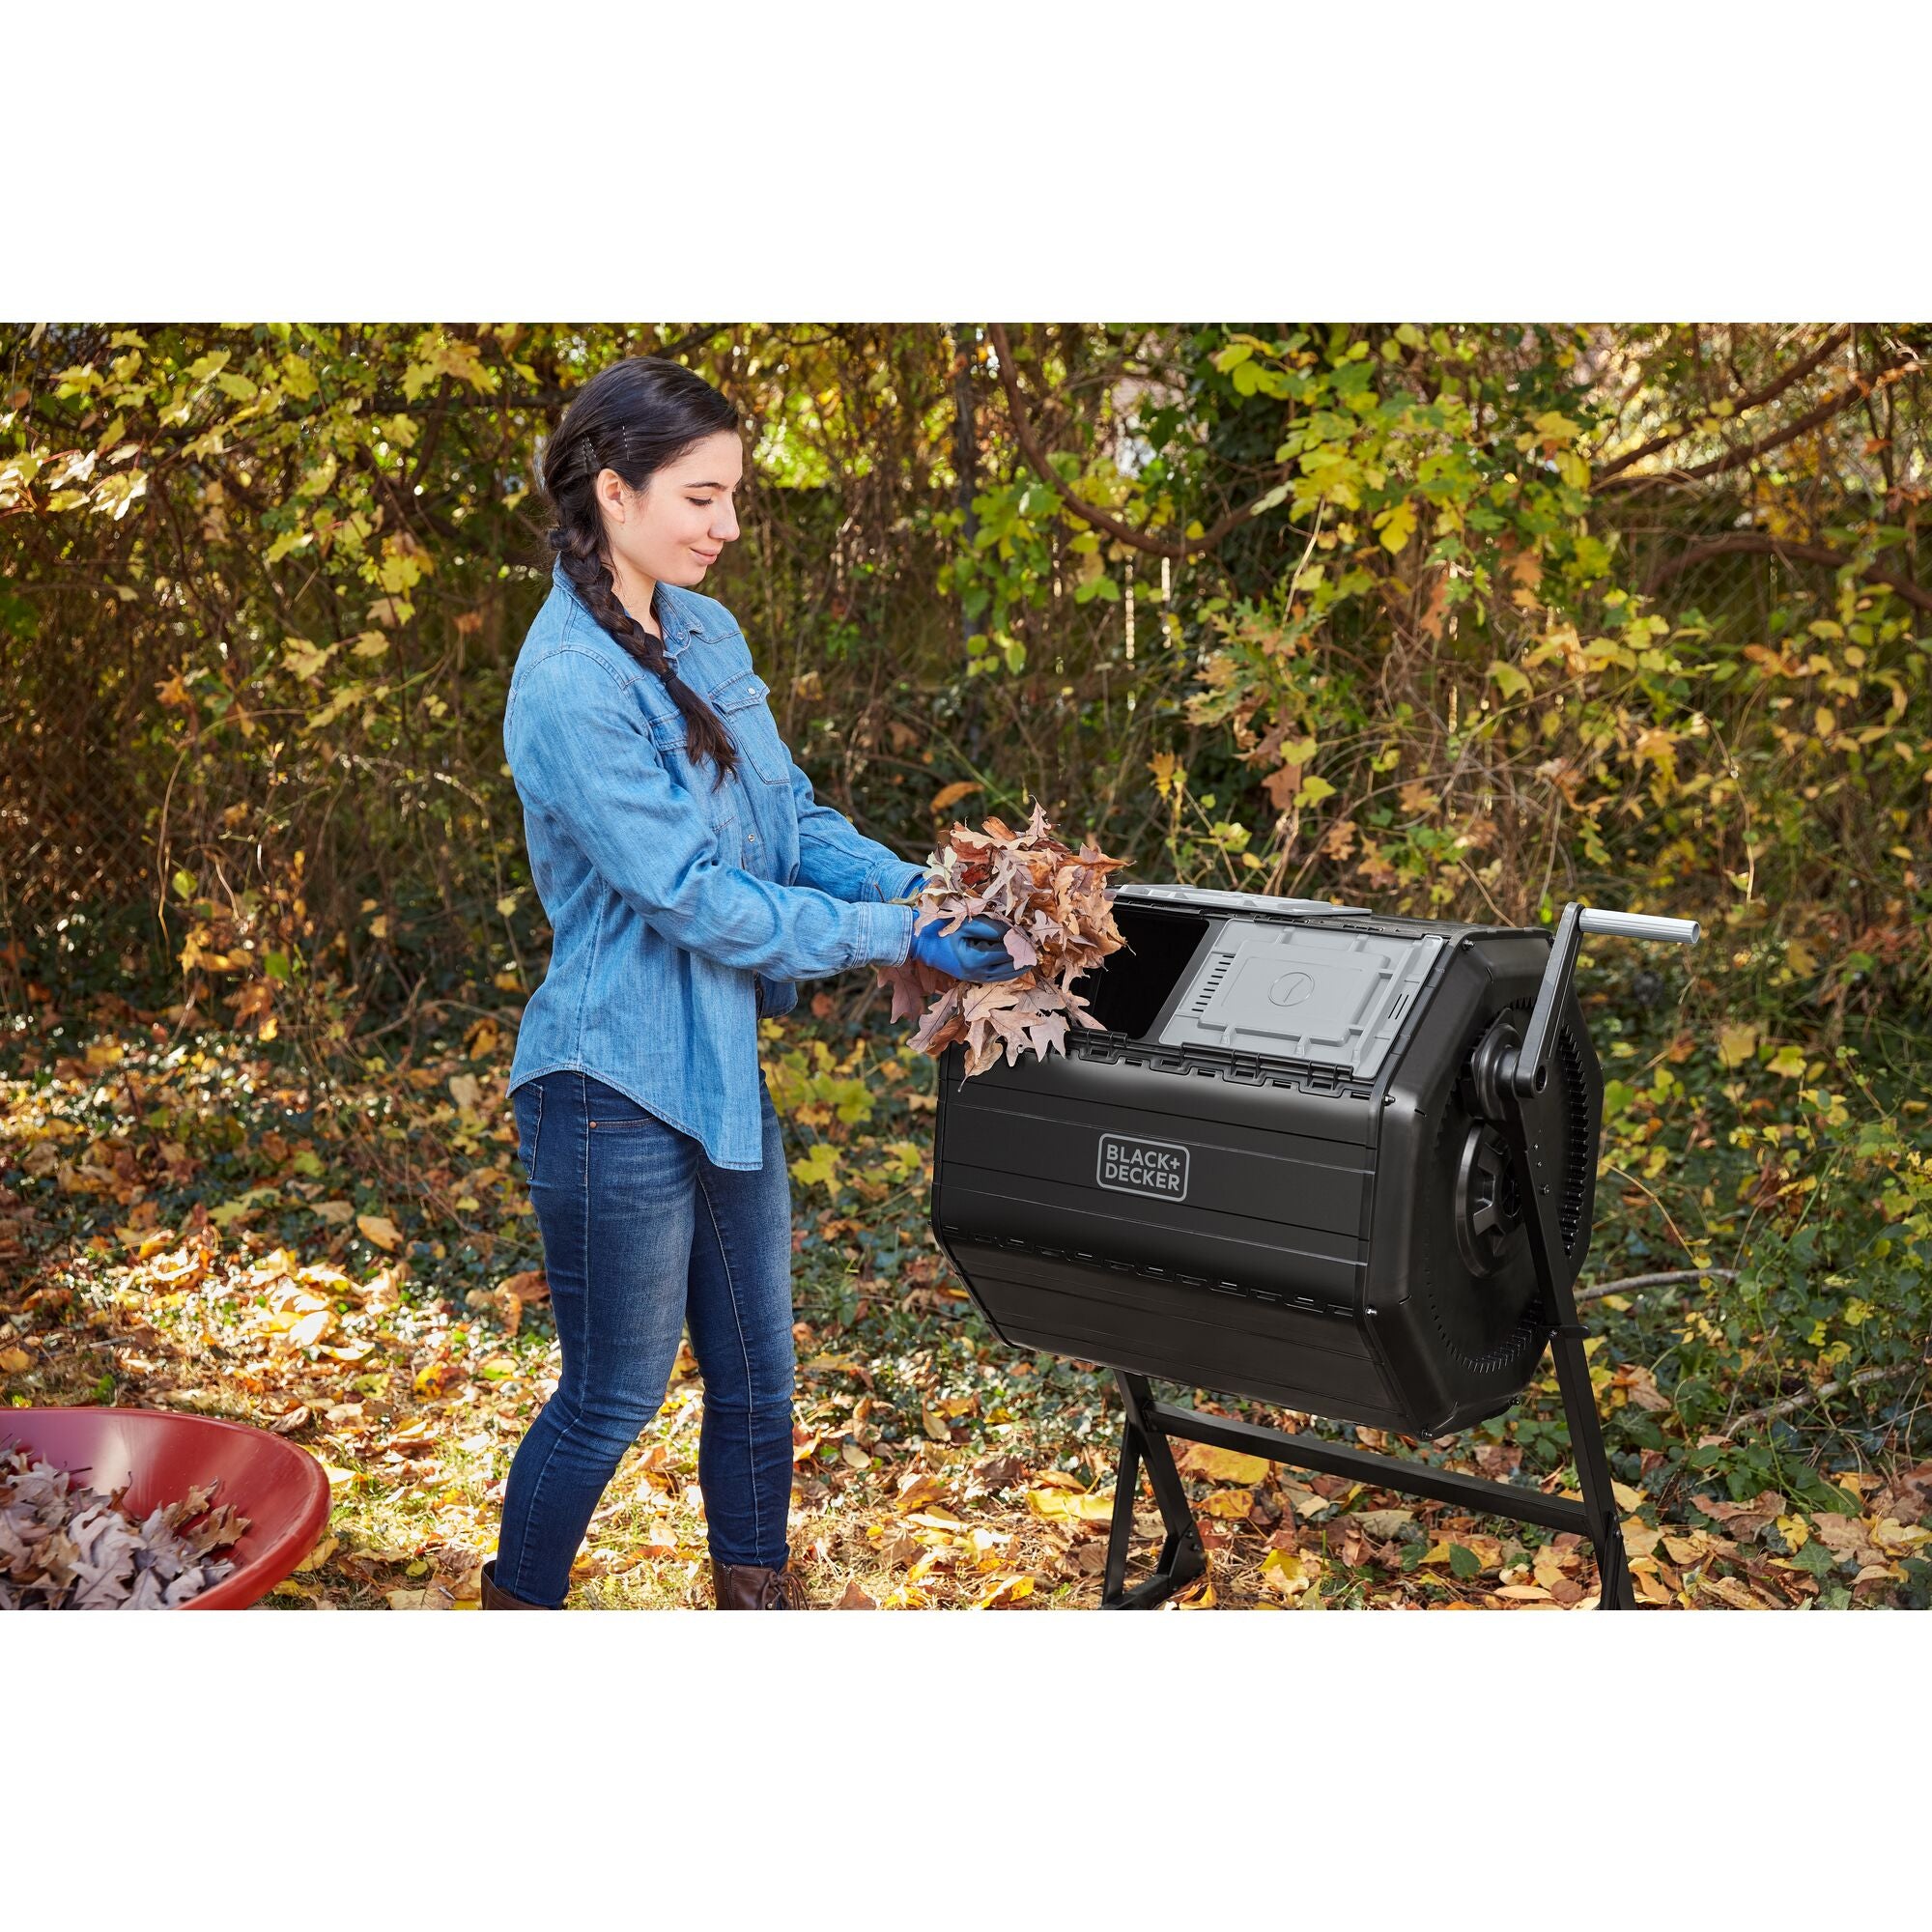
(643,1233)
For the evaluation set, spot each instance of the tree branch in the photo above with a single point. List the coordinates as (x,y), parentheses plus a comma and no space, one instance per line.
(1792,1404)
(1669,1278)
(1836,404)
(1755,543)
(1090,513)
(1769,393)
(693,338)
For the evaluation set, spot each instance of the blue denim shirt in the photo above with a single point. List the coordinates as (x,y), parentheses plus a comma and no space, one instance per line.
(680,913)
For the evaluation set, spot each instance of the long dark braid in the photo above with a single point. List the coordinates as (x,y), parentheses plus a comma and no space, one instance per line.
(634,418)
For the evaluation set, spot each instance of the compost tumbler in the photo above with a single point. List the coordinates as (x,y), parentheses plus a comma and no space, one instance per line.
(1338,1161)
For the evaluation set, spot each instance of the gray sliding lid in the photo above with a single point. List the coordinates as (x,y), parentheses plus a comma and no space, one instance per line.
(1302,993)
(1211,898)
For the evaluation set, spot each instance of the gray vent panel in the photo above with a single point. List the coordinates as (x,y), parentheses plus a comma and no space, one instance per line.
(1304,993)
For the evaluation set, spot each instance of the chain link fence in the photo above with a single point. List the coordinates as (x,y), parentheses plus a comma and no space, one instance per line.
(78,794)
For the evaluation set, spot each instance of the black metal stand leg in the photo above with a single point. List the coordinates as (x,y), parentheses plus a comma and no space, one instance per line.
(1120,1534)
(1504,1096)
(1181,1557)
(1149,1424)
(1593,1470)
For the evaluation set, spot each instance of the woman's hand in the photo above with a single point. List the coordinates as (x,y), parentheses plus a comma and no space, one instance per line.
(977,951)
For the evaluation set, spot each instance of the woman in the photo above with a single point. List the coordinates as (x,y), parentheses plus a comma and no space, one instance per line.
(689,878)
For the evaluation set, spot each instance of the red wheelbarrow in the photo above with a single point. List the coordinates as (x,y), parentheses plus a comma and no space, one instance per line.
(160,1456)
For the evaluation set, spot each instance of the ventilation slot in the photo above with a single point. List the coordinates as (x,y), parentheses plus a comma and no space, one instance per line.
(1577,1150)
(1212,984)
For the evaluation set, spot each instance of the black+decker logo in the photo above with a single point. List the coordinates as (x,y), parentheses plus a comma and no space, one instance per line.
(1135,1166)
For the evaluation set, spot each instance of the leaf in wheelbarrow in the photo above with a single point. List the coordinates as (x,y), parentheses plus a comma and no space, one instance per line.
(1059,925)
(64,1547)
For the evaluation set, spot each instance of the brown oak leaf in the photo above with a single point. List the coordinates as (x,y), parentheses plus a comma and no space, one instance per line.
(1054,901)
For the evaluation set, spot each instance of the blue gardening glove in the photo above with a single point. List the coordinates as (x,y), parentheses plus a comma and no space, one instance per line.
(976,951)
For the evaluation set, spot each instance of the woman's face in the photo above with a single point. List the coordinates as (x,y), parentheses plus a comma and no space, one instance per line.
(674,528)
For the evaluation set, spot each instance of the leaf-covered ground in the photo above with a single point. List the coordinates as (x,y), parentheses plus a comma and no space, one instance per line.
(189,1220)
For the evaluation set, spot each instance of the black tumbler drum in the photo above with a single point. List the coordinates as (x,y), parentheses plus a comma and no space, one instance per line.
(1273,1174)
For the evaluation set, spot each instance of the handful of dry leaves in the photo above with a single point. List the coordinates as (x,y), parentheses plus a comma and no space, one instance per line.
(1055,900)
(68,1549)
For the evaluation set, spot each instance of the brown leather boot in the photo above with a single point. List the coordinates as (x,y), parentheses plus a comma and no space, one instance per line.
(744,1586)
(495,1597)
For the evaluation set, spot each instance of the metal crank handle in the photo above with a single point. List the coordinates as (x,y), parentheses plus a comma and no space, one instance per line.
(1528,1070)
(1641,925)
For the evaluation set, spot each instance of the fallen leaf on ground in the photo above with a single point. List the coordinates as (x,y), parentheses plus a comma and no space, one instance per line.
(380,1230)
(1056,1505)
(1005,1593)
(1383,1523)
(1220,1465)
(918,1488)
(1225,1503)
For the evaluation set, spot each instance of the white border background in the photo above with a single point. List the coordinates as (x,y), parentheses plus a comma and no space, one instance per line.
(1481,161)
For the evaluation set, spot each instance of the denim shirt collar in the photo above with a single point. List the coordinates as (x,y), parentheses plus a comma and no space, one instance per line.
(680,627)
